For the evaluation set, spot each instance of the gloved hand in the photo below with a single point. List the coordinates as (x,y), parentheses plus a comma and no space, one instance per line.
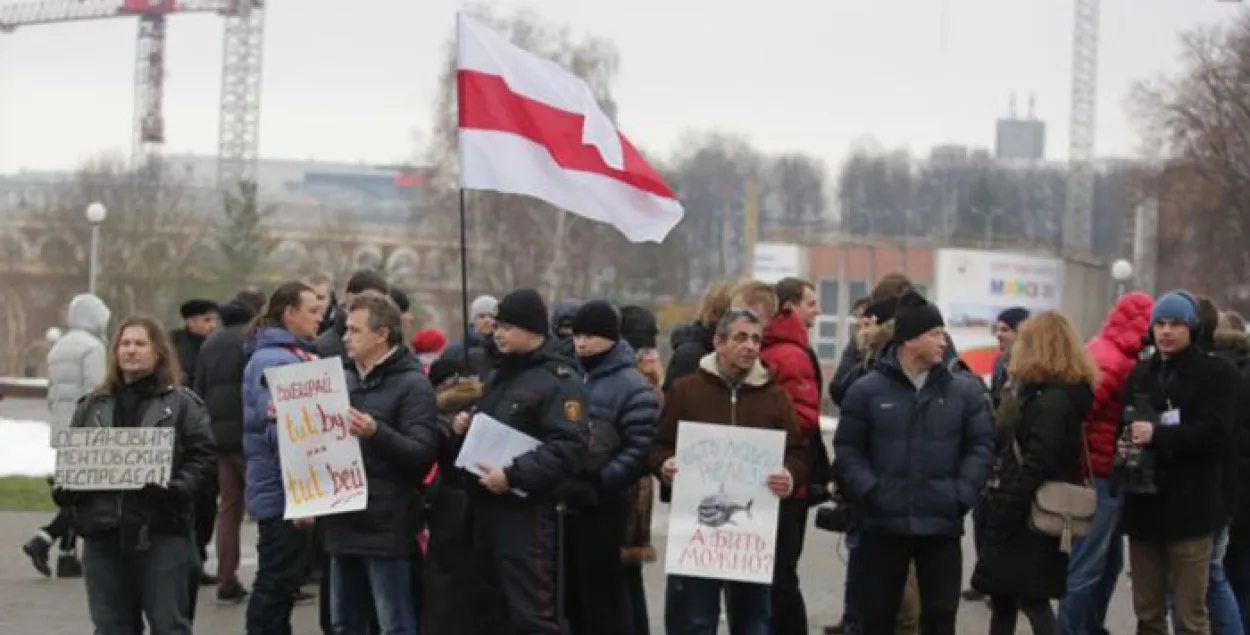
(63,497)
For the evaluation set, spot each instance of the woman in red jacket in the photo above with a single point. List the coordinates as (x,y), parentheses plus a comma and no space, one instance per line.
(1097,559)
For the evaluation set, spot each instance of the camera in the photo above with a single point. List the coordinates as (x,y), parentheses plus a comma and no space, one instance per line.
(1134,465)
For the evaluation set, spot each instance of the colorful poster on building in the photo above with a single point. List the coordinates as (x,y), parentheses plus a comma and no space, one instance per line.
(974,286)
(722,523)
(322,471)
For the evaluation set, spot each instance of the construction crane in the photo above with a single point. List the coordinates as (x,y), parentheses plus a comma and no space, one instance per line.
(1078,227)
(240,77)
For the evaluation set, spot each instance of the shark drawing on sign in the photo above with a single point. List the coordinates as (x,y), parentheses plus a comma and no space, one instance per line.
(718,510)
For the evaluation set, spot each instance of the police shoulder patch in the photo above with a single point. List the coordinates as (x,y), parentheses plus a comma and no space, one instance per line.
(572,410)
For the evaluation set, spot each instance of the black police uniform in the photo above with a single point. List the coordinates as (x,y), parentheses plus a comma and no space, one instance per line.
(515,538)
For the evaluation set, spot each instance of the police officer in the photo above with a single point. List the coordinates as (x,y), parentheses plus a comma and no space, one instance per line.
(515,522)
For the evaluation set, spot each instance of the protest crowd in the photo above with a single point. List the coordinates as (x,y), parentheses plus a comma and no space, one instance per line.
(1137,433)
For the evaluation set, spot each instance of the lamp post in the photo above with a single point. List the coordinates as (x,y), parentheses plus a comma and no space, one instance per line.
(1122,273)
(96,213)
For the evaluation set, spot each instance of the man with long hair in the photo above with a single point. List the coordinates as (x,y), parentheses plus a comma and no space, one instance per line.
(282,335)
(137,543)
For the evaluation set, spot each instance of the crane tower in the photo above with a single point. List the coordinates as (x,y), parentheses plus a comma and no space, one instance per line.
(1078,218)
(240,77)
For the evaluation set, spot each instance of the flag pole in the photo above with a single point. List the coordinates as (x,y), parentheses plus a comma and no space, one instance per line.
(464,283)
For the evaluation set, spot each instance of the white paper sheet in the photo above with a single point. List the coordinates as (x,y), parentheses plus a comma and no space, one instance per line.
(494,444)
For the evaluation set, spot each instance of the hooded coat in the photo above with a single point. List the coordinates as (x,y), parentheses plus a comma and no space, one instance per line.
(1235,348)
(785,354)
(690,343)
(78,361)
(1114,350)
(1044,423)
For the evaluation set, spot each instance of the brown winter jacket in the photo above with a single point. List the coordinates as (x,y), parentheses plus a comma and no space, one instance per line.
(636,549)
(704,396)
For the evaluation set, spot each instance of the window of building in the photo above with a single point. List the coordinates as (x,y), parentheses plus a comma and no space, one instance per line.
(859,289)
(827,352)
(824,337)
(828,290)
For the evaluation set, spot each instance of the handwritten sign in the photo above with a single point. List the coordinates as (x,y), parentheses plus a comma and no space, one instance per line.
(322,470)
(112,458)
(723,519)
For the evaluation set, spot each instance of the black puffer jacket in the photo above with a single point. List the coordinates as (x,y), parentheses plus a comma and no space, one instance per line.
(690,343)
(193,468)
(219,382)
(401,401)
(1188,455)
(1235,348)
(1045,424)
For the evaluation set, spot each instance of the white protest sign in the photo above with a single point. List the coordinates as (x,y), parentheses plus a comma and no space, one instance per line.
(322,471)
(112,458)
(722,523)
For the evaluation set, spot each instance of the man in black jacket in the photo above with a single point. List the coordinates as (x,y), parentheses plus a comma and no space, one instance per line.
(1170,531)
(330,342)
(539,393)
(394,415)
(199,321)
(218,381)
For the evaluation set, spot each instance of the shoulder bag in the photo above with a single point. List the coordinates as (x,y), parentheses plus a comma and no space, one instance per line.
(1061,509)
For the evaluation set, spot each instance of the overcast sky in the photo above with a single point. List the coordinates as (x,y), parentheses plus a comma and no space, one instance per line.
(352,80)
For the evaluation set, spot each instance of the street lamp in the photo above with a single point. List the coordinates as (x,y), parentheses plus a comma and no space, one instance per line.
(96,213)
(52,334)
(1121,272)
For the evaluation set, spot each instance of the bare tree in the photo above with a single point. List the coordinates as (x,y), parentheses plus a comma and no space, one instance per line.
(1199,121)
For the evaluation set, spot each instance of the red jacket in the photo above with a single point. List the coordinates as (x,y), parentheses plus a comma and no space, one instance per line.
(1114,350)
(785,355)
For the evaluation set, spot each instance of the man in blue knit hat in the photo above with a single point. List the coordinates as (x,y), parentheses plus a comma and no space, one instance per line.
(1184,404)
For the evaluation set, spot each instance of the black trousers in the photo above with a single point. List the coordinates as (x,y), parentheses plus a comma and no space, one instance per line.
(205,521)
(789,609)
(280,571)
(62,529)
(594,593)
(515,551)
(939,571)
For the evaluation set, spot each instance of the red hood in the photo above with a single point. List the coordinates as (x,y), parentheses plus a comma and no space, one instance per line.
(1127,322)
(786,327)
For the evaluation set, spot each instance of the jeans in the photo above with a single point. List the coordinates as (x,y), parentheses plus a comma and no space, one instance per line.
(634,602)
(692,607)
(1094,567)
(850,593)
(118,580)
(1237,569)
(229,518)
(361,586)
(1222,604)
(280,570)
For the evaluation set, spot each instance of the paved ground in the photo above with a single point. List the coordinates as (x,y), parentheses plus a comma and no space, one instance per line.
(31,604)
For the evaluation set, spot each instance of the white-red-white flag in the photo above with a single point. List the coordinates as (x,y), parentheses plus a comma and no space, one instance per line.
(527,126)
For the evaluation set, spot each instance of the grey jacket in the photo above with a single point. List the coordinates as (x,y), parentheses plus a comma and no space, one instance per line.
(78,361)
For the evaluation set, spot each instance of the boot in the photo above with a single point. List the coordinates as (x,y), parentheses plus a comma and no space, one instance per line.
(37,549)
(68,566)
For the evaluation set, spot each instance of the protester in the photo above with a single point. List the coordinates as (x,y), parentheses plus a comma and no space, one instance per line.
(758,297)
(1040,440)
(915,468)
(1170,530)
(282,335)
(618,396)
(219,382)
(401,301)
(449,604)
(330,342)
(787,356)
(1096,560)
(393,415)
(77,364)
(1232,344)
(537,392)
(639,329)
(428,345)
(731,387)
(136,544)
(199,321)
(562,317)
(323,285)
(480,344)
(692,342)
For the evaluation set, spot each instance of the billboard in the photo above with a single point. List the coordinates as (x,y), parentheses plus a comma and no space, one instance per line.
(974,286)
(774,261)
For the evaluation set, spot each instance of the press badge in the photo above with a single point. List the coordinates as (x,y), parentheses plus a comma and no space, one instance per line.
(1170,418)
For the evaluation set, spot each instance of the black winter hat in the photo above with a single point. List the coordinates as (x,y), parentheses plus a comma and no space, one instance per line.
(197,307)
(1013,317)
(914,316)
(234,313)
(882,309)
(638,327)
(597,318)
(524,308)
(443,369)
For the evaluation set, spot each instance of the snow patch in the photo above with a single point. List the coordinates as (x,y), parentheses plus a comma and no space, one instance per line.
(24,449)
